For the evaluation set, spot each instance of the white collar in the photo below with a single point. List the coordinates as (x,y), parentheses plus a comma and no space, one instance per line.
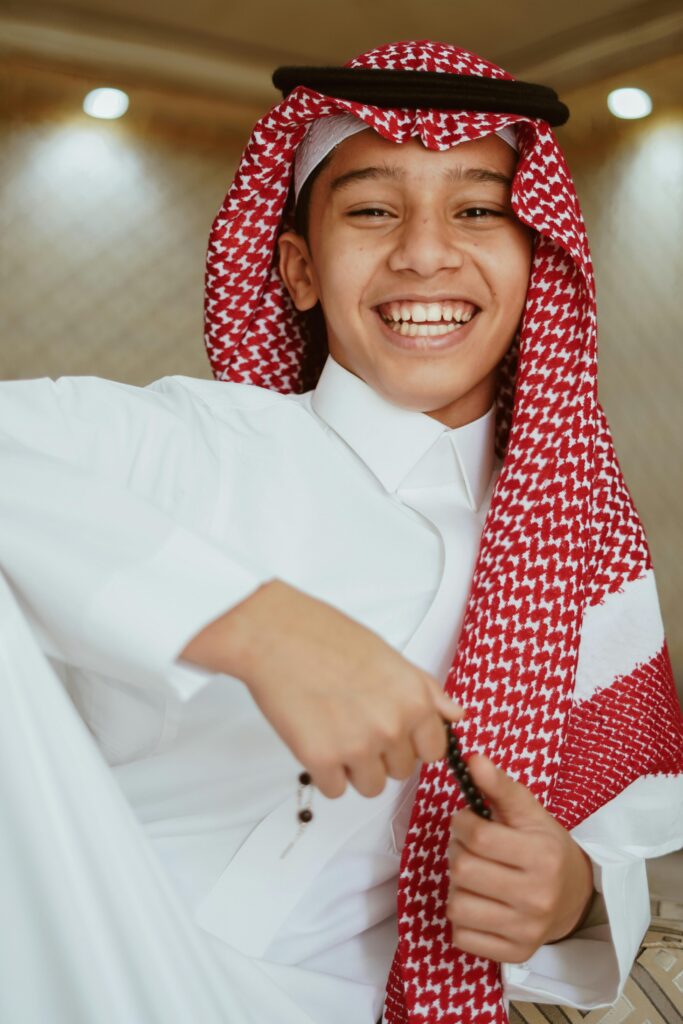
(399,445)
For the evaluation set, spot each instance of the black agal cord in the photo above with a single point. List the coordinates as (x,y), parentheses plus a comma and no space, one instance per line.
(435,90)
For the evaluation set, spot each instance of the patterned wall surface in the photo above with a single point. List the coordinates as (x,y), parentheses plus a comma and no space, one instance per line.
(104,237)
(104,231)
(632,201)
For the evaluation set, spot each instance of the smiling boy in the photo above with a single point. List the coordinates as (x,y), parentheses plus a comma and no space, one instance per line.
(441,509)
(421,268)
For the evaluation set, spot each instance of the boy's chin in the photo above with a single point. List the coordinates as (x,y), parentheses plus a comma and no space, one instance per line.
(419,396)
(452,408)
(407,384)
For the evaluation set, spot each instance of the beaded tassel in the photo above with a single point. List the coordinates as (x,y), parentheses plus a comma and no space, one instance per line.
(304,813)
(463,777)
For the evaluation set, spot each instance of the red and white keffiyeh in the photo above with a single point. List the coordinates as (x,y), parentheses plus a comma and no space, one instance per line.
(562,662)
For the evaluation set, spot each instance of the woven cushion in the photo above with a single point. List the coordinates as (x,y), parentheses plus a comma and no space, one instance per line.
(653,993)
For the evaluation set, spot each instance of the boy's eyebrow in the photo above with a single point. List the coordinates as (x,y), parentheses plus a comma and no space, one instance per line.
(366,173)
(479,174)
(454,175)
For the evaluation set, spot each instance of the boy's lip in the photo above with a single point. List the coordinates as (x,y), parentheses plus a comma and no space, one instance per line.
(425,299)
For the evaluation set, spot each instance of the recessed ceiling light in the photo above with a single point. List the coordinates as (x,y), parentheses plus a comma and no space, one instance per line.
(629,103)
(107,103)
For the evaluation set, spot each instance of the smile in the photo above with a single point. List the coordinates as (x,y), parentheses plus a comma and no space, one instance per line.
(426,319)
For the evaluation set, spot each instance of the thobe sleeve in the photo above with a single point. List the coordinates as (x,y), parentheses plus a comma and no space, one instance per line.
(110,580)
(92,927)
(590,968)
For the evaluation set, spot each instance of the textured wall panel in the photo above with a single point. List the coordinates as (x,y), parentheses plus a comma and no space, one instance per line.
(104,236)
(632,201)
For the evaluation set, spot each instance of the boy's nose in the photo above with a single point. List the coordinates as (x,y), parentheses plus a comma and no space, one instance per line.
(426,245)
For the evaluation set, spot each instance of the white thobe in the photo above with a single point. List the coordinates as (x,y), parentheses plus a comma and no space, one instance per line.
(131,518)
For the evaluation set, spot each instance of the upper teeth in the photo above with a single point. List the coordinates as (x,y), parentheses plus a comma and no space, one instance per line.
(431,312)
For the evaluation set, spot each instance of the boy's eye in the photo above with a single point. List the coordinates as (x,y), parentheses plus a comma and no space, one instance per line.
(481,211)
(470,213)
(369,211)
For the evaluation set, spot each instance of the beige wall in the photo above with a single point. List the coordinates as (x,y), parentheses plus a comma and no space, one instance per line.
(105,228)
(629,184)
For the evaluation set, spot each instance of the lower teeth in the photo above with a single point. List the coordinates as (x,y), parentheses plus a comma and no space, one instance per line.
(411,330)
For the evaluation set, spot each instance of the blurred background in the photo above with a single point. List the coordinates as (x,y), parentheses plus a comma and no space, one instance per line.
(105,222)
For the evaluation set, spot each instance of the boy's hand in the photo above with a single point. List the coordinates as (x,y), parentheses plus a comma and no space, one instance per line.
(518,881)
(348,706)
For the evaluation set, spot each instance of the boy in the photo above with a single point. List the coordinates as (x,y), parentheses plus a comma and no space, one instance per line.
(297,543)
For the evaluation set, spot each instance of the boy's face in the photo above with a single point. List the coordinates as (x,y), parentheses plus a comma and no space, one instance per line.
(403,242)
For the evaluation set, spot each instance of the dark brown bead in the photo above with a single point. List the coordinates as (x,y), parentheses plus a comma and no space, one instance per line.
(305,779)
(305,816)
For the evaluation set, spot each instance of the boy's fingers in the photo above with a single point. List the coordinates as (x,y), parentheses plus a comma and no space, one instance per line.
(429,739)
(514,803)
(470,910)
(494,877)
(490,840)
(400,760)
(487,946)
(331,782)
(445,705)
(368,776)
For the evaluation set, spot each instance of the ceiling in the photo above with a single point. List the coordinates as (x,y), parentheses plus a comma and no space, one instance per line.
(228,48)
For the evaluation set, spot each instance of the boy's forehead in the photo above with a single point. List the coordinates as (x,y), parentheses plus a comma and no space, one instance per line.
(367,149)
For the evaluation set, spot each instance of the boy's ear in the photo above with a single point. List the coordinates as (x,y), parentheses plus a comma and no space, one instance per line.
(296,270)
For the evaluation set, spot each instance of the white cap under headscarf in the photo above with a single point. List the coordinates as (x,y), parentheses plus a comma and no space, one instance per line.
(327,132)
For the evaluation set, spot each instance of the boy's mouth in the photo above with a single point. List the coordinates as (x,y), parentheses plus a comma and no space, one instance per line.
(426,319)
